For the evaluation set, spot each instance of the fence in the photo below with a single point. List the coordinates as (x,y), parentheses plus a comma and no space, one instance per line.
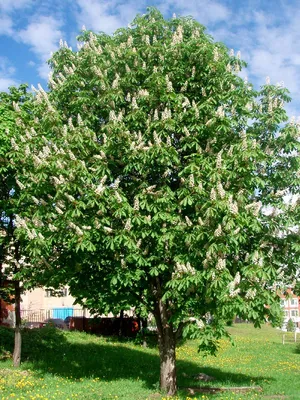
(81,320)
(56,313)
(290,337)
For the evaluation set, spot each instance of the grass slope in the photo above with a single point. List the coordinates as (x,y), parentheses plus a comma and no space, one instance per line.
(73,365)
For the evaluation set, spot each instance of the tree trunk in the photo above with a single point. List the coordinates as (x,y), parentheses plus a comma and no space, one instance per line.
(18,338)
(167,350)
(121,323)
(144,323)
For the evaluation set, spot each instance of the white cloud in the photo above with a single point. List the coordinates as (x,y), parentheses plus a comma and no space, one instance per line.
(106,16)
(5,83)
(12,5)
(7,71)
(42,37)
(205,11)
(6,25)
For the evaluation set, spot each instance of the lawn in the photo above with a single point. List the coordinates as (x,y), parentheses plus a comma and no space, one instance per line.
(73,365)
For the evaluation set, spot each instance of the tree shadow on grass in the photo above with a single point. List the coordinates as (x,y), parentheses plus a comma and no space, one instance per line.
(51,352)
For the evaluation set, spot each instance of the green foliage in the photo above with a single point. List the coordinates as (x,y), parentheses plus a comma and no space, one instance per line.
(290,326)
(16,101)
(153,175)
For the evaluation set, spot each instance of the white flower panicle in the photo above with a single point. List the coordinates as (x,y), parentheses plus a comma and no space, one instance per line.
(186,103)
(268,81)
(35,200)
(16,107)
(200,221)
(254,207)
(52,228)
(127,226)
(156,138)
(213,195)
(219,160)
(143,93)
(134,104)
(76,228)
(20,184)
(232,205)
(69,197)
(216,54)
(184,87)
(188,221)
(112,116)
(250,294)
(99,189)
(116,184)
(14,144)
(218,231)
(177,36)
(20,222)
(181,268)
(166,114)
(186,131)
(115,83)
(221,264)
(118,197)
(220,113)
(221,191)
(79,120)
(191,181)
(150,189)
(136,204)
(169,84)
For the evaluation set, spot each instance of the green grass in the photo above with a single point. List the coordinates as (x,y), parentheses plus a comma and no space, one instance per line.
(73,365)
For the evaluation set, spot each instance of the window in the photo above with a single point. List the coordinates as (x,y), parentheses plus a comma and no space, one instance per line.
(286,314)
(282,303)
(294,302)
(56,293)
(294,313)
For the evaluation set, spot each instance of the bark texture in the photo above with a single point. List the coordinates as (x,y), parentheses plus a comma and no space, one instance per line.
(18,337)
(167,346)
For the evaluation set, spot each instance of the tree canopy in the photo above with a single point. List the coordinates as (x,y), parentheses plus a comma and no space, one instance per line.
(152,175)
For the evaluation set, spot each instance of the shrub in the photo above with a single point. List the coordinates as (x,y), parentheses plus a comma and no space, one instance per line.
(290,326)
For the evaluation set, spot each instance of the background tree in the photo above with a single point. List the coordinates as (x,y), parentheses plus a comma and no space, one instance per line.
(146,168)
(11,258)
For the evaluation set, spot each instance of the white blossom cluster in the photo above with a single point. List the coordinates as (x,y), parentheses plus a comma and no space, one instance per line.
(166,114)
(199,322)
(250,294)
(218,231)
(232,205)
(169,84)
(177,36)
(181,269)
(76,228)
(254,207)
(221,264)
(232,286)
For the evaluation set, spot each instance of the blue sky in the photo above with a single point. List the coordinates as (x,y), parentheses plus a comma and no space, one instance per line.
(266,32)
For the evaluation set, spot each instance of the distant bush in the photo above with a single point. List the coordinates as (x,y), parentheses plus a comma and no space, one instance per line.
(290,326)
(6,341)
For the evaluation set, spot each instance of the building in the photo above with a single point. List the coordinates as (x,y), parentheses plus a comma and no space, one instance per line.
(291,308)
(40,304)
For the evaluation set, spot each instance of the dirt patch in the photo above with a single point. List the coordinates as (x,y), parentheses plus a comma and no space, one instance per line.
(214,390)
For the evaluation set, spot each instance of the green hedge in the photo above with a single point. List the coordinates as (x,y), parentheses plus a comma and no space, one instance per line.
(34,342)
